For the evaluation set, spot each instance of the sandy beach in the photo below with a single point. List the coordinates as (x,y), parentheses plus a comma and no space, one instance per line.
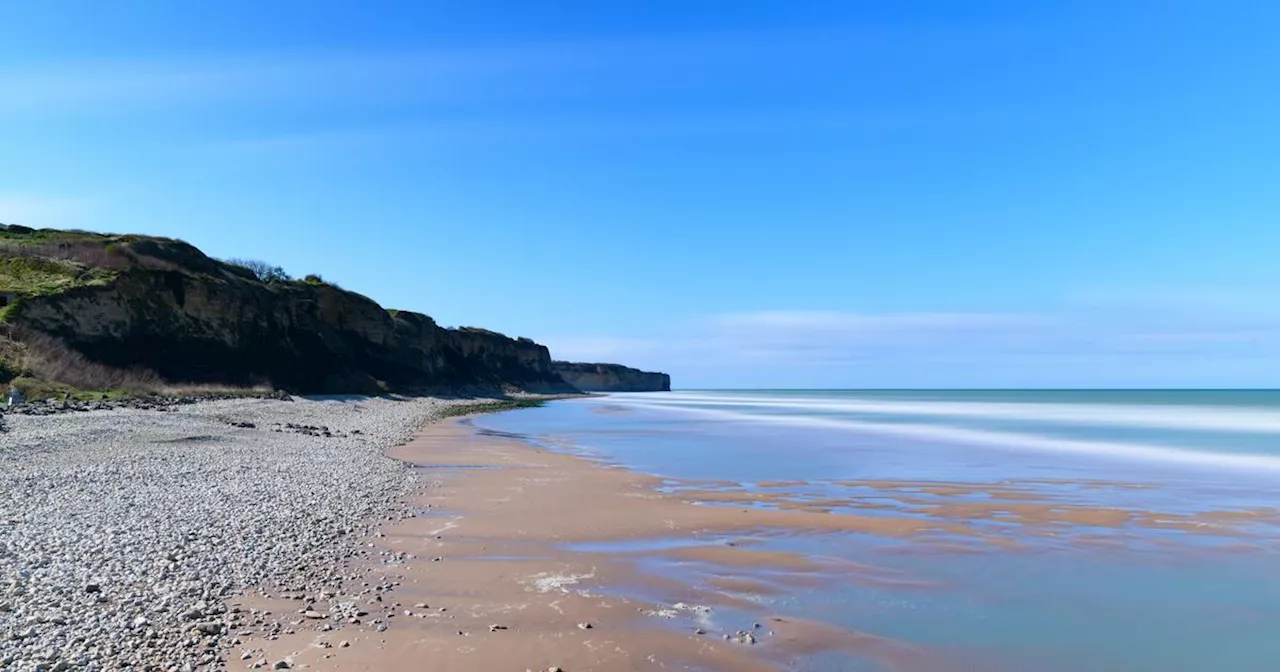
(480,578)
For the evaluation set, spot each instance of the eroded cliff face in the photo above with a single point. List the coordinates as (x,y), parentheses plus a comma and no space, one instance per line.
(611,378)
(156,306)
(218,327)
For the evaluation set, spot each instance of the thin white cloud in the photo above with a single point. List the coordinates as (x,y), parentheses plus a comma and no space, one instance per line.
(830,320)
(470,129)
(1069,346)
(536,69)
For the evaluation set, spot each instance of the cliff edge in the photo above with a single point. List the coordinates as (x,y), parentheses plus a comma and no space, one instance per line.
(93,311)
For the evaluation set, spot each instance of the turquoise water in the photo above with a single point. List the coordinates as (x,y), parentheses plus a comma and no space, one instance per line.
(1070,597)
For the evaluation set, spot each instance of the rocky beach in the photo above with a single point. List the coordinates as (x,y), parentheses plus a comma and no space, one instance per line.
(124,532)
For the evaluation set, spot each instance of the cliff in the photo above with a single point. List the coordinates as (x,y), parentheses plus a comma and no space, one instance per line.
(611,378)
(162,308)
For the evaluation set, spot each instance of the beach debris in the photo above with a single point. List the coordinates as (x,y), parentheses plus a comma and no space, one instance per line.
(546,582)
(495,627)
(585,626)
(699,612)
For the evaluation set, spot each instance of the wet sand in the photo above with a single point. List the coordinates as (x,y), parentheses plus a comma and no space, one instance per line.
(522,558)
(487,550)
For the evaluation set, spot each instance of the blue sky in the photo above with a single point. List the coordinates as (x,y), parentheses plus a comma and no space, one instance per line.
(741,193)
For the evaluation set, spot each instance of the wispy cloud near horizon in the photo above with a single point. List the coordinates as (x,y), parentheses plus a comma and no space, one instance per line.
(954,348)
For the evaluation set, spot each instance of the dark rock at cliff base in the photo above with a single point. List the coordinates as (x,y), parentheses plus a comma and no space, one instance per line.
(611,378)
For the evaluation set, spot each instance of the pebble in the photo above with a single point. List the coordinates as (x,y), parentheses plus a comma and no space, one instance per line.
(127,530)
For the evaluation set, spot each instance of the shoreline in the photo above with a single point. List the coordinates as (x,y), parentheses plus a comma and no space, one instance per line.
(515,549)
(480,577)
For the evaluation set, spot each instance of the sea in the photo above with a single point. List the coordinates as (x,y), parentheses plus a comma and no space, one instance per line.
(1124,530)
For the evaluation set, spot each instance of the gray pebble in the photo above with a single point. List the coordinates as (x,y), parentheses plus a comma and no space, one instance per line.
(126,530)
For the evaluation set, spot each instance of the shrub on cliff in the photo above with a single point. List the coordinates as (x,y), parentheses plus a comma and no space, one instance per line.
(315,279)
(263,271)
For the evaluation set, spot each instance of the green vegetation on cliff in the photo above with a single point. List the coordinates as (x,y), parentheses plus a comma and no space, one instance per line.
(33,275)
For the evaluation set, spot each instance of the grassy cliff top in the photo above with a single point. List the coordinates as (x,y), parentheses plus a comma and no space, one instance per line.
(36,262)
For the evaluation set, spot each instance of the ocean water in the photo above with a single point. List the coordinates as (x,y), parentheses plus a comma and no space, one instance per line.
(1187,579)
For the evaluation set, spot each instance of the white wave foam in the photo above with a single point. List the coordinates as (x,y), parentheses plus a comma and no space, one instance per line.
(1202,418)
(999,439)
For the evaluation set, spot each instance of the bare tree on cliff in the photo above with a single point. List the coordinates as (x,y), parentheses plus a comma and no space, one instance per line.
(262,270)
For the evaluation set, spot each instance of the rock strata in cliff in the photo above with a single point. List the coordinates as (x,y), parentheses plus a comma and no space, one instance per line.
(611,378)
